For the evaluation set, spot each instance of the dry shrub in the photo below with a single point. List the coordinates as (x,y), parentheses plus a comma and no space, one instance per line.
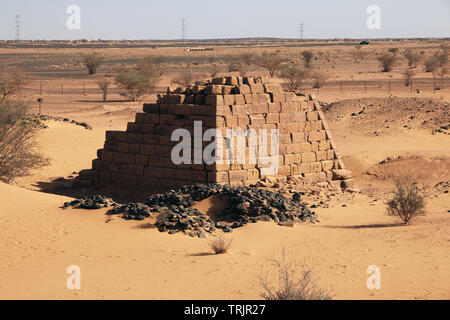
(359,54)
(293,77)
(408,201)
(18,141)
(294,282)
(320,78)
(220,244)
(187,77)
(387,61)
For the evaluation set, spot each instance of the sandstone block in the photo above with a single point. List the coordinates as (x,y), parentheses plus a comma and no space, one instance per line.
(341,174)
(327,165)
(308,157)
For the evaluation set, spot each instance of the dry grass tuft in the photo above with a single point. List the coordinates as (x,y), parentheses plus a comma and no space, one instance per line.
(220,244)
(294,282)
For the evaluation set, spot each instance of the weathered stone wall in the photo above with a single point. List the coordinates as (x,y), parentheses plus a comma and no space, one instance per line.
(141,155)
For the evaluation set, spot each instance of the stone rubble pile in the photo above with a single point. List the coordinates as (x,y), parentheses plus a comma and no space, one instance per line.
(174,211)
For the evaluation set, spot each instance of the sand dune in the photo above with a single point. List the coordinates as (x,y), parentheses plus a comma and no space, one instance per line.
(118,260)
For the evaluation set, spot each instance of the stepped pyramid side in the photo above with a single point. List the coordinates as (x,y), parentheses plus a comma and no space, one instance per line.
(141,155)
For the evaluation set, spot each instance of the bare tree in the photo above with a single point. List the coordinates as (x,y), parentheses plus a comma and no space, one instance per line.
(92,62)
(320,78)
(12,80)
(272,61)
(408,74)
(431,64)
(104,84)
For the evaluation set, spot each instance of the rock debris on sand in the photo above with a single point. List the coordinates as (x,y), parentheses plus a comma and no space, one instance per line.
(174,210)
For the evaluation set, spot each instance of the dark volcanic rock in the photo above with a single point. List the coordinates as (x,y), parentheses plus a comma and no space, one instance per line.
(243,205)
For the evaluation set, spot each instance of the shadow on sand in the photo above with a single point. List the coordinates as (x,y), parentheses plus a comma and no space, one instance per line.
(365,226)
(201,254)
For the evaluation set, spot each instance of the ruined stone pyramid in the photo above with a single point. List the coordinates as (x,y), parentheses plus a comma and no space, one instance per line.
(298,138)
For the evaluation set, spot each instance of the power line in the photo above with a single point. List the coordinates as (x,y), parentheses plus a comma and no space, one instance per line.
(17,27)
(300,32)
(183,29)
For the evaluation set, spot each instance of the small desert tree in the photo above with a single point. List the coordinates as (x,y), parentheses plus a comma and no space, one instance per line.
(139,80)
(92,61)
(320,78)
(18,153)
(294,282)
(387,61)
(11,81)
(442,56)
(307,58)
(431,64)
(272,62)
(135,83)
(412,57)
(408,74)
(293,77)
(408,201)
(151,64)
(104,84)
(439,76)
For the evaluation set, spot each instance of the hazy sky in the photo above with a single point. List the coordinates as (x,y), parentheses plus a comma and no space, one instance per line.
(150,19)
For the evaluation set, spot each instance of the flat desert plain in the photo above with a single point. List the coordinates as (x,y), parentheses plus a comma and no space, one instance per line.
(122,259)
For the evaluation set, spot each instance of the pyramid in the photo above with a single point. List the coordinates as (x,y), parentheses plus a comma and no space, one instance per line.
(236,117)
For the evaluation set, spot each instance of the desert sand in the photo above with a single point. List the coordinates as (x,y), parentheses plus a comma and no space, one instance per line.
(125,260)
